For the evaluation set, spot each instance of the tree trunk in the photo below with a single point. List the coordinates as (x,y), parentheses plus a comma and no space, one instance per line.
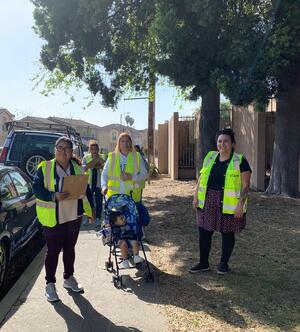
(209,123)
(285,164)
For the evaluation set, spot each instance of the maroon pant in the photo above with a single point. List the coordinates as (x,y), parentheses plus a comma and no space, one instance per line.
(61,237)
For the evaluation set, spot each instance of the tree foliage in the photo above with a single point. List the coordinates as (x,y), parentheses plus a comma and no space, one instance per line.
(103,45)
(259,74)
(240,47)
(202,41)
(250,51)
(247,49)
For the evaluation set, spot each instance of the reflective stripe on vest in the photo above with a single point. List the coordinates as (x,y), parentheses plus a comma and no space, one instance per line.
(114,175)
(46,210)
(232,185)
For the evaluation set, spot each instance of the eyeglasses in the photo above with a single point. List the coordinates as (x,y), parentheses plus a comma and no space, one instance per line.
(61,149)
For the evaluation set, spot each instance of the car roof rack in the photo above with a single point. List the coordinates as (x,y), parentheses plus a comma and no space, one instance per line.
(49,127)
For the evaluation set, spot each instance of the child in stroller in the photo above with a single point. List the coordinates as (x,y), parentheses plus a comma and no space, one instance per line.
(122,232)
(124,236)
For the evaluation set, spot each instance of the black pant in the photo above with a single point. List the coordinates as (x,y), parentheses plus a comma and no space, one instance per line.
(62,236)
(96,192)
(205,236)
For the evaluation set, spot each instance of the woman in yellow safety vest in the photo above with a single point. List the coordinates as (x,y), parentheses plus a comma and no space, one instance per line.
(92,164)
(124,173)
(124,170)
(221,199)
(60,216)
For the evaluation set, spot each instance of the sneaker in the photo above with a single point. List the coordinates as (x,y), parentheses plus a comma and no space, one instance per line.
(50,292)
(124,264)
(85,221)
(72,284)
(223,268)
(137,259)
(199,268)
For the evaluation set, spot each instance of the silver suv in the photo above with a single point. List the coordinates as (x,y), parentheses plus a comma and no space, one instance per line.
(26,148)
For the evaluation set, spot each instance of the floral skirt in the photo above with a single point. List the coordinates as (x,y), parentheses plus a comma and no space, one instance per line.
(211,218)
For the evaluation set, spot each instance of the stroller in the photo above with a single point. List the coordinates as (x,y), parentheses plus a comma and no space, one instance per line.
(122,205)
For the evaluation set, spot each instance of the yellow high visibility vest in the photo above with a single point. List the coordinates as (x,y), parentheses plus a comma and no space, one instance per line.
(46,210)
(132,188)
(233,184)
(89,158)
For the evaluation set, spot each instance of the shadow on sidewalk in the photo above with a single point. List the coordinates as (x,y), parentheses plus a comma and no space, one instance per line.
(90,319)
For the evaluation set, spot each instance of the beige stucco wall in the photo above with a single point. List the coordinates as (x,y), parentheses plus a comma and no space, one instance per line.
(4,117)
(249,128)
(107,138)
(173,147)
(162,146)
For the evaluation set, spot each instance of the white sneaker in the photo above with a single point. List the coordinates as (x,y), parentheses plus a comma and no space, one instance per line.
(137,259)
(72,284)
(124,264)
(50,292)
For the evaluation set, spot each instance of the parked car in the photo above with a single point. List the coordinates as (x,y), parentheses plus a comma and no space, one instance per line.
(18,221)
(26,148)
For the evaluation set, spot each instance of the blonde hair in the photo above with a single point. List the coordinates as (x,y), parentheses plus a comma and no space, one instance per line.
(117,148)
(93,142)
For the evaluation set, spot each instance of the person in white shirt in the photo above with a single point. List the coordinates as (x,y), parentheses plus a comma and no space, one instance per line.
(123,173)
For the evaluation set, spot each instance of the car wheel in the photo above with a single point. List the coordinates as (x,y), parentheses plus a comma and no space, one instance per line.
(3,263)
(32,160)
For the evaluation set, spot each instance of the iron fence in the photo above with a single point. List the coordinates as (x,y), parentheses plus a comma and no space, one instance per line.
(186,142)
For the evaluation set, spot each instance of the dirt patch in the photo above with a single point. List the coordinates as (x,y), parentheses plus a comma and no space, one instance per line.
(262,291)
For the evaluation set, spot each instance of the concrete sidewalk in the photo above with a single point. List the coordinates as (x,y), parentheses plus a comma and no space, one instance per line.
(102,307)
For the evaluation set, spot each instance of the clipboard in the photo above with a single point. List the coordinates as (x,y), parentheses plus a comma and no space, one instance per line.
(94,163)
(76,185)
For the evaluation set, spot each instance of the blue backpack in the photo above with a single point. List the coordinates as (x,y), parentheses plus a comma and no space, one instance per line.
(143,214)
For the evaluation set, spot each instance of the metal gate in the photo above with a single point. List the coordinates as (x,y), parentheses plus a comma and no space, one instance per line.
(186,147)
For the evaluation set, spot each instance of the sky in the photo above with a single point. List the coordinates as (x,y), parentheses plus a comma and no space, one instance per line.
(19,63)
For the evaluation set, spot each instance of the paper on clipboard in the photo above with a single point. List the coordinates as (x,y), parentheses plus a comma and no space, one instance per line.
(94,163)
(75,185)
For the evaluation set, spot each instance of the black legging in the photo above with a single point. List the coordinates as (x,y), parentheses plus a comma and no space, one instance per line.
(205,236)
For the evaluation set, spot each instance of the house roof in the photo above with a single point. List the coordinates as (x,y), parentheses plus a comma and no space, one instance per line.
(78,123)
(37,119)
(118,127)
(73,122)
(2,110)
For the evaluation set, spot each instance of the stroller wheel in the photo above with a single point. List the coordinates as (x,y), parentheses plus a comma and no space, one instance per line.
(122,281)
(148,277)
(139,265)
(117,282)
(109,266)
